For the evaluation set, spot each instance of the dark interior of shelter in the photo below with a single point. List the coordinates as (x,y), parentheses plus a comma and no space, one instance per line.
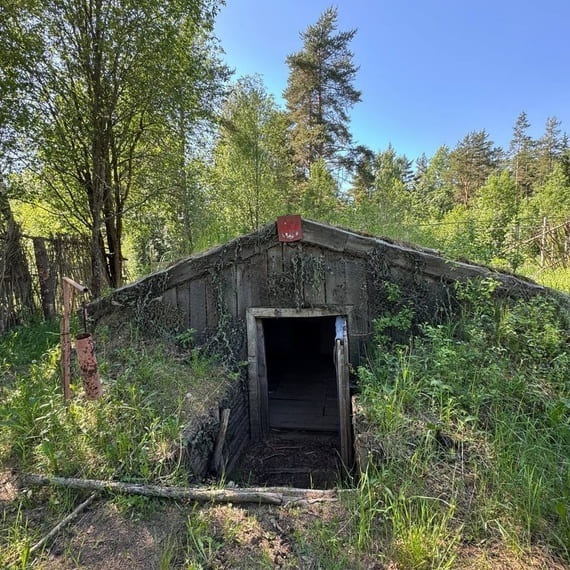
(301,374)
(302,449)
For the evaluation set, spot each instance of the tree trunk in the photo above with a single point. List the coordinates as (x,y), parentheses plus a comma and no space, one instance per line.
(15,279)
(46,278)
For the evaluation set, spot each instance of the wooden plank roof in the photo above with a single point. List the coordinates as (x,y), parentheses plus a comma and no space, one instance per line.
(428,262)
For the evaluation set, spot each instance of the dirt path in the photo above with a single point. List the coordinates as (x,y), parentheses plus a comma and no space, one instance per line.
(137,533)
(153,535)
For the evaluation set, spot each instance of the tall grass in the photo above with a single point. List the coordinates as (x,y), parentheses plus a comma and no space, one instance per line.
(474,419)
(131,432)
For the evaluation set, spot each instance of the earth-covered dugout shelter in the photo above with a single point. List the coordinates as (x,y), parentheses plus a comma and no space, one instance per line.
(296,300)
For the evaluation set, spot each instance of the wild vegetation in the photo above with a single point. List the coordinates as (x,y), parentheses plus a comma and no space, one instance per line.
(472,423)
(468,433)
(121,127)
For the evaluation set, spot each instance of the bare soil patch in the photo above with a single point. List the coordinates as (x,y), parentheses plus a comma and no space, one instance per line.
(291,458)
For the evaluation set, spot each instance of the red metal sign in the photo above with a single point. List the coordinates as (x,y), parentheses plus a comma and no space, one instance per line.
(289,228)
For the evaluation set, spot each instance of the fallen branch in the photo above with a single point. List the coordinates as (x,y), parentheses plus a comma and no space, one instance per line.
(78,510)
(272,496)
(64,522)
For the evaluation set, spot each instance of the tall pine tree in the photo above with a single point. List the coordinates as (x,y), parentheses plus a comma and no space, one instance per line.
(522,156)
(320,93)
(471,162)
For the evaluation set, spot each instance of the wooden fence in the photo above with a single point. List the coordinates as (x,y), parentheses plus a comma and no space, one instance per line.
(31,271)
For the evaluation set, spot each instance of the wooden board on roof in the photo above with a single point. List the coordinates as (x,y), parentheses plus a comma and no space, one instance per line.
(324,236)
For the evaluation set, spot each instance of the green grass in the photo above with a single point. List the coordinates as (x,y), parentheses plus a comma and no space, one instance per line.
(471,420)
(557,278)
(473,417)
(24,344)
(150,392)
(132,433)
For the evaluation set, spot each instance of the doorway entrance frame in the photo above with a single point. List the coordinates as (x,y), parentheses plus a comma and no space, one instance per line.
(257,371)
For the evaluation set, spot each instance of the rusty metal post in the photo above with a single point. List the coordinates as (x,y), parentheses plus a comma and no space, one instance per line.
(85,348)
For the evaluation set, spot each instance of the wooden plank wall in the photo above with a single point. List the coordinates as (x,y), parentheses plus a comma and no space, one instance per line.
(258,271)
(266,279)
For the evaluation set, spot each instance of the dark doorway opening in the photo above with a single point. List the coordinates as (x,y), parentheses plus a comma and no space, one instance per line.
(301,376)
(301,443)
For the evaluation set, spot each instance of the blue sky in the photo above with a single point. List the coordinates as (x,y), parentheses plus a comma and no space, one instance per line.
(430,70)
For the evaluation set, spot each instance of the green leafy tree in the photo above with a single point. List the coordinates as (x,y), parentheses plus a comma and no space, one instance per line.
(391,170)
(103,97)
(550,147)
(386,200)
(495,211)
(363,180)
(20,49)
(252,168)
(471,162)
(433,192)
(549,209)
(320,199)
(320,93)
(522,156)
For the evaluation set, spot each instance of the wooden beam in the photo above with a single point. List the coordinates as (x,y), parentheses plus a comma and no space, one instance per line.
(344,402)
(253,379)
(218,462)
(262,379)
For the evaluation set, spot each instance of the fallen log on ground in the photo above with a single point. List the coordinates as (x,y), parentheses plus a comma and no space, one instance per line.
(258,495)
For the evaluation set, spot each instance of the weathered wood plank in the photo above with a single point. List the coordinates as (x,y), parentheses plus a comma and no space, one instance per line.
(359,245)
(335,280)
(257,271)
(307,415)
(344,402)
(277,312)
(274,269)
(212,312)
(220,441)
(325,236)
(262,378)
(183,302)
(198,319)
(229,290)
(251,284)
(274,257)
(357,293)
(253,378)
(289,252)
(314,279)
(169,298)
